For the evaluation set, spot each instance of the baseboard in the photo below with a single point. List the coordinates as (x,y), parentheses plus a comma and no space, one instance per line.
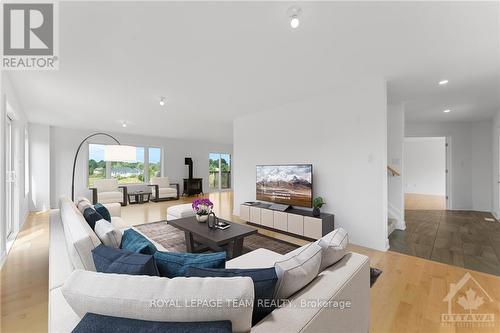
(387,246)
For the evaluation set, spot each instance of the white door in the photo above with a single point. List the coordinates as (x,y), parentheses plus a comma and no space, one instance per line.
(10,177)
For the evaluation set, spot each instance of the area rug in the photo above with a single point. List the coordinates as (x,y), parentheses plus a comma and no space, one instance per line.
(172,239)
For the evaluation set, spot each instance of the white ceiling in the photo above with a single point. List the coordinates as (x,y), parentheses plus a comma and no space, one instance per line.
(216,61)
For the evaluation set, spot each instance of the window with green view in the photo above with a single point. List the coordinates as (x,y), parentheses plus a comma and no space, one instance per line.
(146,165)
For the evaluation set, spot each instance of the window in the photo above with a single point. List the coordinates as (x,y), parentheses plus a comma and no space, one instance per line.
(129,172)
(219,168)
(97,165)
(147,164)
(154,162)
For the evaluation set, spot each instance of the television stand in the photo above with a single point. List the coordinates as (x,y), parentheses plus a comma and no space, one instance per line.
(295,222)
(279,207)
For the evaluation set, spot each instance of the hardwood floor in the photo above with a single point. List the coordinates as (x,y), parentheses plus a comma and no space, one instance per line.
(460,238)
(25,279)
(408,296)
(415,201)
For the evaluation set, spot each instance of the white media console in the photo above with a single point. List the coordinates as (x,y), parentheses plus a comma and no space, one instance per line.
(295,222)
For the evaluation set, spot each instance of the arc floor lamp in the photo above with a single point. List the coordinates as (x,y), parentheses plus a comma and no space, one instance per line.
(112,153)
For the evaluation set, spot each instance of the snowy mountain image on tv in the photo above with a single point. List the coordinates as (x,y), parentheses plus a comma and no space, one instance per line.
(286,184)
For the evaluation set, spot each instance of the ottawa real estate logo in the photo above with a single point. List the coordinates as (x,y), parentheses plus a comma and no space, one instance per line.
(30,36)
(467,302)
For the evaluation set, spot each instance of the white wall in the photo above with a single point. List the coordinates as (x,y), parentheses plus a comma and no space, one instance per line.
(482,160)
(395,148)
(40,166)
(3,240)
(495,182)
(425,165)
(9,97)
(343,134)
(471,150)
(64,142)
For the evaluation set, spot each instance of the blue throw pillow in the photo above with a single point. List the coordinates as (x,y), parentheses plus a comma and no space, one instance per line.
(111,260)
(264,281)
(173,264)
(103,211)
(100,323)
(91,216)
(135,242)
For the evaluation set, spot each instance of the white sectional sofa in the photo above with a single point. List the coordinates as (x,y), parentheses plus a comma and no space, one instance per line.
(346,281)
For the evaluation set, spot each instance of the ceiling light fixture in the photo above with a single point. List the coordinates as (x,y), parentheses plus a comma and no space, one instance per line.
(447,111)
(293,15)
(162,101)
(442,82)
(124,124)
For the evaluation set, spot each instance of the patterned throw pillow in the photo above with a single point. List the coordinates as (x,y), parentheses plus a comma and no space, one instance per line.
(173,264)
(135,242)
(99,207)
(82,203)
(91,216)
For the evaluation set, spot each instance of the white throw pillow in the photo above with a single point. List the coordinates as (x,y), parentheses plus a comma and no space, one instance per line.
(108,233)
(162,299)
(334,245)
(296,272)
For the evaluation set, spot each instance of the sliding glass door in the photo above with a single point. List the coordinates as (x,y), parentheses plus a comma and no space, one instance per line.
(219,168)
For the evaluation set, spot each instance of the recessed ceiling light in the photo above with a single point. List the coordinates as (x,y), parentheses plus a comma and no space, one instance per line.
(124,124)
(447,111)
(162,101)
(293,14)
(442,82)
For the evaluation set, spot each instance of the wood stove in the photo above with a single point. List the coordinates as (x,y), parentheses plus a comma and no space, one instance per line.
(192,185)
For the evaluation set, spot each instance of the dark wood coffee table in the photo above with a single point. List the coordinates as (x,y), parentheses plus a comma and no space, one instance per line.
(230,239)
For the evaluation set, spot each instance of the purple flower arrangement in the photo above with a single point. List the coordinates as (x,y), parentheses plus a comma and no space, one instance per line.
(202,206)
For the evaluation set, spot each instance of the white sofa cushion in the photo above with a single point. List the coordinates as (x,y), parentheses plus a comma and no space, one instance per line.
(180,211)
(334,245)
(162,299)
(115,209)
(345,281)
(106,185)
(162,182)
(295,272)
(166,192)
(62,318)
(260,258)
(80,238)
(109,197)
(108,233)
(60,263)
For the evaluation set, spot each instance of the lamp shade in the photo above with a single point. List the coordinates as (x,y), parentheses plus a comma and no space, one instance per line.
(119,153)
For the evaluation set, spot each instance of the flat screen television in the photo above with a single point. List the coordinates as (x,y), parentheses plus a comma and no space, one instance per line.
(289,184)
